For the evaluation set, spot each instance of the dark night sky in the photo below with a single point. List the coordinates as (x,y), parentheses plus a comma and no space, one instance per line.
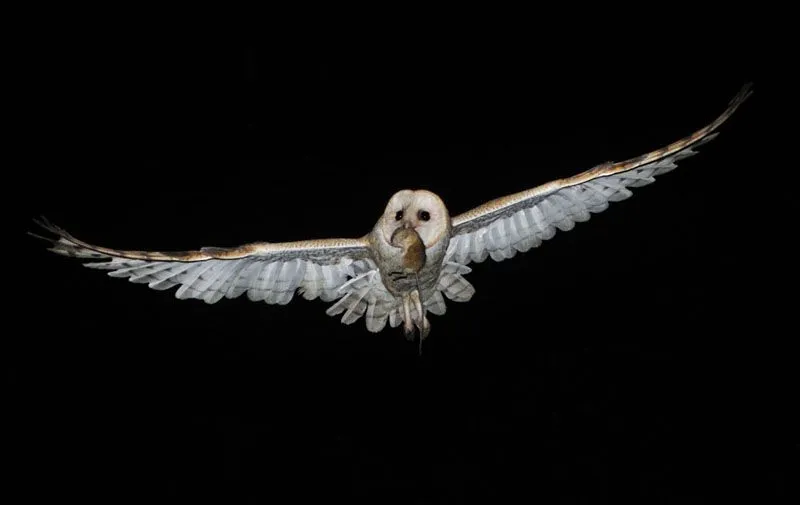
(602,365)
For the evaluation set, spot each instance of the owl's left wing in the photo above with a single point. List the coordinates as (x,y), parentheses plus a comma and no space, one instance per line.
(272,272)
(502,227)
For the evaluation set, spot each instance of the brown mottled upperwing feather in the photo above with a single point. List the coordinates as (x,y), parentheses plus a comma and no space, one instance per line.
(67,245)
(507,205)
(516,223)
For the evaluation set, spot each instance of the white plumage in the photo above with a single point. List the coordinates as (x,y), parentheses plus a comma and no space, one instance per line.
(388,276)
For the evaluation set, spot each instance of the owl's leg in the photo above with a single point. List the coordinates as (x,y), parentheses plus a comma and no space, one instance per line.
(408,323)
(422,322)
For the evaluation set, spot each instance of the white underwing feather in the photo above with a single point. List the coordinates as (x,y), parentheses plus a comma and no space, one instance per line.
(523,220)
(265,272)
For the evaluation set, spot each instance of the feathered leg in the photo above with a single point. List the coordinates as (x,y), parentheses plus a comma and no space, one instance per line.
(422,322)
(408,323)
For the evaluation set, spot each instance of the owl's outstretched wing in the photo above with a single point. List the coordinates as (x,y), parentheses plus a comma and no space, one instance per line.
(521,221)
(270,272)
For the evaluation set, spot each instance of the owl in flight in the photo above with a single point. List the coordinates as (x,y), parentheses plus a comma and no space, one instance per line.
(414,257)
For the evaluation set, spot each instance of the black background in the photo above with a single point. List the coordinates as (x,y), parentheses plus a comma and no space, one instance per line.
(627,359)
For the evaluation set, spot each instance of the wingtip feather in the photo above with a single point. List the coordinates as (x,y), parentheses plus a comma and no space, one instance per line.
(41,237)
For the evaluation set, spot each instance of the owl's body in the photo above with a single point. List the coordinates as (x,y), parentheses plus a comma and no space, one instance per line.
(409,244)
(415,256)
(401,266)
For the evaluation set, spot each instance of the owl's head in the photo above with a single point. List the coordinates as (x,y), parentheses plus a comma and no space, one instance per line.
(420,210)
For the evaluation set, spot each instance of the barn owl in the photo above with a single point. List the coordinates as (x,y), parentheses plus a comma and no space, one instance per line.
(414,257)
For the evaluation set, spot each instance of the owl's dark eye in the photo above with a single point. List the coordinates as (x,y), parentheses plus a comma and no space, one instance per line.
(399,215)
(424,215)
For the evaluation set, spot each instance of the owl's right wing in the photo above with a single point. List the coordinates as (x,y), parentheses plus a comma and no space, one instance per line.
(270,272)
(515,223)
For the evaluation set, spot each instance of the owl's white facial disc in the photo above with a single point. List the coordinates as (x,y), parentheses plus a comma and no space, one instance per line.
(421,210)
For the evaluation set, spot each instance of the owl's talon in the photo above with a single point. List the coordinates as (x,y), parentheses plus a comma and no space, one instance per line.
(425,329)
(422,321)
(408,330)
(408,323)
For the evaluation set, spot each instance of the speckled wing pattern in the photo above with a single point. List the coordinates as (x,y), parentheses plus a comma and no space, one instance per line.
(516,223)
(270,272)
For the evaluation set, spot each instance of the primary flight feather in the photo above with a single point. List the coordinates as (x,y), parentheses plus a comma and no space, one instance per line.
(414,257)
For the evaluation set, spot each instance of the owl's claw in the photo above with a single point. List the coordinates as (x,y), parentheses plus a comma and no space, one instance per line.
(424,328)
(408,323)
(421,323)
(408,331)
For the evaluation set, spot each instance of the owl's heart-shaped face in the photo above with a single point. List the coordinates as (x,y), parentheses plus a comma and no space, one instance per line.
(420,210)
